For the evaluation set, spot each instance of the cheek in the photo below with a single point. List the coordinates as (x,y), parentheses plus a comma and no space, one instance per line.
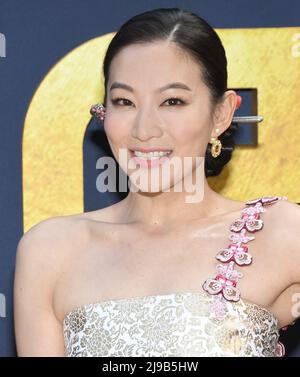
(115,128)
(193,129)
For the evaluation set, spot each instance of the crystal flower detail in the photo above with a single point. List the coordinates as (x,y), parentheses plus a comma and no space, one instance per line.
(225,282)
(237,253)
(241,237)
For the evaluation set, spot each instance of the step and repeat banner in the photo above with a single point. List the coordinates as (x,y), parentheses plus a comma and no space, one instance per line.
(51,55)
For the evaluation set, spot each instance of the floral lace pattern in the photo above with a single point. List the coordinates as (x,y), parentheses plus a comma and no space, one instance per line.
(176,324)
(213,322)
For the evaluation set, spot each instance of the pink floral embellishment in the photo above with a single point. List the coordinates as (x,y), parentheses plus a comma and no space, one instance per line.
(224,282)
(241,237)
(266,200)
(223,286)
(250,224)
(218,306)
(249,220)
(237,253)
(253,211)
(228,271)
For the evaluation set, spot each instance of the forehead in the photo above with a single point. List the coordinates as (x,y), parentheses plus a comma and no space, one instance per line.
(155,63)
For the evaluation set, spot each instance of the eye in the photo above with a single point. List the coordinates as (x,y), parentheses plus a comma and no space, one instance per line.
(126,102)
(115,101)
(174,99)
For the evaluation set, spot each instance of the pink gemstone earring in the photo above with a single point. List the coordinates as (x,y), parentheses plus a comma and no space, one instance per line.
(98,111)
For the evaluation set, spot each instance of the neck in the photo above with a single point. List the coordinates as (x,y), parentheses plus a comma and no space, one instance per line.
(162,208)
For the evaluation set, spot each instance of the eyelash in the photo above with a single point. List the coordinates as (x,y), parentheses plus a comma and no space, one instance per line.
(115,101)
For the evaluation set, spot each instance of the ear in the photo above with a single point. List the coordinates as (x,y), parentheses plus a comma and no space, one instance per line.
(223,113)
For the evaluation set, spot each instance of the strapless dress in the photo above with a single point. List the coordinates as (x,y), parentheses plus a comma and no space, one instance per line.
(214,321)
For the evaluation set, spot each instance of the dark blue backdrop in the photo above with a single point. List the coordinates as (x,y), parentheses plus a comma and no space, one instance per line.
(38,33)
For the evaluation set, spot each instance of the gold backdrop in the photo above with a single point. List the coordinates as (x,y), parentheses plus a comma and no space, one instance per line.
(265,58)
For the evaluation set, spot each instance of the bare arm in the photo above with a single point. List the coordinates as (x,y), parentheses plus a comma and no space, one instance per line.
(39,262)
(295,297)
(288,303)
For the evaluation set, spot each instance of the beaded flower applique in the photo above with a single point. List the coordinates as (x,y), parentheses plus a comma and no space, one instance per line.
(224,285)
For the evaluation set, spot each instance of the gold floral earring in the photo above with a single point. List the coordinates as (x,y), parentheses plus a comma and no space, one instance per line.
(216,145)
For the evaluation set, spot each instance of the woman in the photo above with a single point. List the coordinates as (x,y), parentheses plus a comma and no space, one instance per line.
(156,274)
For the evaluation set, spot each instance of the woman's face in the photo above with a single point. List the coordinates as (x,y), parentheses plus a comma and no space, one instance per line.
(149,115)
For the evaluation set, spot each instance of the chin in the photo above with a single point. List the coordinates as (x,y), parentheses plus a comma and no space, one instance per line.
(147,187)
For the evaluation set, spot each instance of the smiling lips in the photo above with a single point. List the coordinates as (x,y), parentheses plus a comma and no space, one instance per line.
(150,159)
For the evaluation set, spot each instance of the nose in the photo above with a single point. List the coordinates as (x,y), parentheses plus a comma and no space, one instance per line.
(146,125)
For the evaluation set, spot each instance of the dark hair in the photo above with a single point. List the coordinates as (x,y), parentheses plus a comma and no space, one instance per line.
(195,36)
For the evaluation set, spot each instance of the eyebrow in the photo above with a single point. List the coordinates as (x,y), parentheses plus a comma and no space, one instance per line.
(173,85)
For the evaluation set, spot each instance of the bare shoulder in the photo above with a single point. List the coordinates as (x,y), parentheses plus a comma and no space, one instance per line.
(286,218)
(42,255)
(284,221)
(45,251)
(290,209)
(48,242)
(289,215)
(284,225)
